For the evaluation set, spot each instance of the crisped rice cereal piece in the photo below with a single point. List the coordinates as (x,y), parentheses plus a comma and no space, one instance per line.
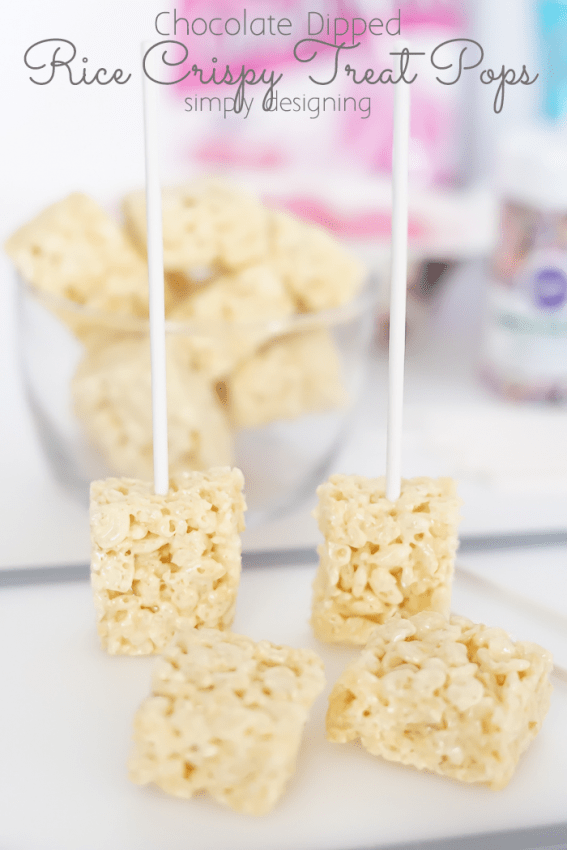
(207,224)
(294,375)
(450,696)
(226,716)
(381,558)
(160,563)
(230,317)
(318,272)
(74,250)
(112,397)
(254,294)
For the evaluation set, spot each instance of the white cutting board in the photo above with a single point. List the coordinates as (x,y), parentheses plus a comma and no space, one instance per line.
(65,718)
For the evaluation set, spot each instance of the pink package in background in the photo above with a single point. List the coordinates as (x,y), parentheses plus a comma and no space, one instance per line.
(319,130)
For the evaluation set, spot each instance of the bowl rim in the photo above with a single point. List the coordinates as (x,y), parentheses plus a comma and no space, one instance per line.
(365,299)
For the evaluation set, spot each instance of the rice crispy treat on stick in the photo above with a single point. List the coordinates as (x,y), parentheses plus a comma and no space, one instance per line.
(206,225)
(446,695)
(112,398)
(287,378)
(161,563)
(382,558)
(317,271)
(74,250)
(226,716)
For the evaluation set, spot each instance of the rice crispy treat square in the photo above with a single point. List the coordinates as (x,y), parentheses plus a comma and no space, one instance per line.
(293,375)
(73,249)
(111,392)
(446,695)
(226,716)
(253,294)
(231,317)
(161,563)
(382,558)
(316,269)
(207,224)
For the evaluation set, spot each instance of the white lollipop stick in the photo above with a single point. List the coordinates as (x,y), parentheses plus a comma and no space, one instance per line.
(156,284)
(398,286)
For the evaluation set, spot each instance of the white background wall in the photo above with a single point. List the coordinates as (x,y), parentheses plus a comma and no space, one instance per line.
(507,30)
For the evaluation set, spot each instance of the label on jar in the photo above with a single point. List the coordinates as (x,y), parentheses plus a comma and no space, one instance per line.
(525,341)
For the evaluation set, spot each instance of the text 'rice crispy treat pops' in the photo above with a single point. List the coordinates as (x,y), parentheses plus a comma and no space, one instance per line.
(226,716)
(445,695)
(160,563)
(381,558)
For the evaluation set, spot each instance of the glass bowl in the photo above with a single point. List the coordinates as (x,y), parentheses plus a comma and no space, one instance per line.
(276,398)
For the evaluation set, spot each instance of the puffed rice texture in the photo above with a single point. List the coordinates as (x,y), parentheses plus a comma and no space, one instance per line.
(160,563)
(226,716)
(112,397)
(318,272)
(381,558)
(292,376)
(73,249)
(231,316)
(208,224)
(450,696)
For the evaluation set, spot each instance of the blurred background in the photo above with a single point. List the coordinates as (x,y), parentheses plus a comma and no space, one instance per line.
(487,305)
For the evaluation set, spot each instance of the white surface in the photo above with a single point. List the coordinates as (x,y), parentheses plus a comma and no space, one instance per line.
(489,442)
(523,591)
(532,168)
(68,713)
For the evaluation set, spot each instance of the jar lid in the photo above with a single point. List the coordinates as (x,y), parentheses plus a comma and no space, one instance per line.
(532,168)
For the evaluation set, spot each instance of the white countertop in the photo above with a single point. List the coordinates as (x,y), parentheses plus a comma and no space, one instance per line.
(70,711)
